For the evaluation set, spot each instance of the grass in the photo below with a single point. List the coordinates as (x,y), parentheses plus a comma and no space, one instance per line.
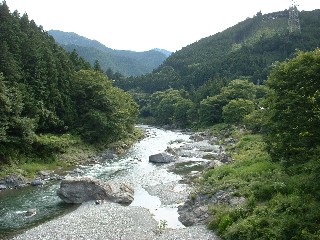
(277,206)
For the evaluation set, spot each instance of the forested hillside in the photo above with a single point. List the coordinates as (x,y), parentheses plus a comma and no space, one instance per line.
(245,50)
(194,84)
(128,63)
(47,92)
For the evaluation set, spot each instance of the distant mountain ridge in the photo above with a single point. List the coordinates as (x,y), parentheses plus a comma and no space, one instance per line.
(166,52)
(128,63)
(246,50)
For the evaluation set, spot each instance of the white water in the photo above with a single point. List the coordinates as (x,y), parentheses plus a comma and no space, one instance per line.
(133,167)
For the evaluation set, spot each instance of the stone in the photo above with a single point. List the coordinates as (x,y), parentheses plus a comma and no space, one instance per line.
(15,181)
(30,212)
(37,182)
(77,171)
(44,173)
(79,190)
(161,158)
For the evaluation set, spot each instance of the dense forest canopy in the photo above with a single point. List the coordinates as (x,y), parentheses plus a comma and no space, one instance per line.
(44,89)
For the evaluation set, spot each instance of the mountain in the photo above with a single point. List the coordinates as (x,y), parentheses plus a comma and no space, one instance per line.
(165,52)
(128,63)
(245,50)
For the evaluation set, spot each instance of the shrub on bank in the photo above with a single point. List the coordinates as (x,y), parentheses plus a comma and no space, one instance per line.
(278,205)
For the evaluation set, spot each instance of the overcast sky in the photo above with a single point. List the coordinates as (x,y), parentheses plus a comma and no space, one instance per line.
(141,25)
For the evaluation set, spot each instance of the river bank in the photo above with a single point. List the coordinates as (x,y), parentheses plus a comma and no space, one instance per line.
(75,152)
(159,190)
(113,222)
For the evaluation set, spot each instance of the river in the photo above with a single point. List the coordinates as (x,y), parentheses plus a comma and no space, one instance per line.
(132,167)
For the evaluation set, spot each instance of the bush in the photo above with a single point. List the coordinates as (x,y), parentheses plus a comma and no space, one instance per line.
(278,205)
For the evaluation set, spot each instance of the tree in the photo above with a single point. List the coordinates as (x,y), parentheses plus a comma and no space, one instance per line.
(184,112)
(294,109)
(236,110)
(97,66)
(15,129)
(211,108)
(165,109)
(238,89)
(104,113)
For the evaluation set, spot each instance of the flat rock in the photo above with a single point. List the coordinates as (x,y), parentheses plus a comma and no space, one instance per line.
(79,190)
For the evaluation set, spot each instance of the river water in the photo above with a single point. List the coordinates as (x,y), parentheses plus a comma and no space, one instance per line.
(132,167)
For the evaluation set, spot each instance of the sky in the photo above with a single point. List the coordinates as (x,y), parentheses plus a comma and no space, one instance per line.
(141,25)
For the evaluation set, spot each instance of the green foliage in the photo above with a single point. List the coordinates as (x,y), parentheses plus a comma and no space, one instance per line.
(46,92)
(161,227)
(170,107)
(277,206)
(238,89)
(14,127)
(255,120)
(97,66)
(293,109)
(45,144)
(236,110)
(105,113)
(211,108)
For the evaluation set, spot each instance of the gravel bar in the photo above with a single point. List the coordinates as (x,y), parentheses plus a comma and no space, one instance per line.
(113,222)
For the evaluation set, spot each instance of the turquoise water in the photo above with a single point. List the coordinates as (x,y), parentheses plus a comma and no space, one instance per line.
(133,165)
(15,203)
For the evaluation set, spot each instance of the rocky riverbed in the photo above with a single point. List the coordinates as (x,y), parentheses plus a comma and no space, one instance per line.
(113,222)
(160,189)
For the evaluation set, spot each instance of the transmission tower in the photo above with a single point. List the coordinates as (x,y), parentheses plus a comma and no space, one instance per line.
(293,22)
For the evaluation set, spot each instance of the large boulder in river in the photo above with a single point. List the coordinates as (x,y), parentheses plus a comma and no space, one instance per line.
(79,190)
(161,158)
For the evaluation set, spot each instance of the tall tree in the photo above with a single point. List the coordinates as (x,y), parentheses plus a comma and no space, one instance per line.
(294,109)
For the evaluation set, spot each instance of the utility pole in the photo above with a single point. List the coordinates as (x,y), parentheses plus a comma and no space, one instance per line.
(293,22)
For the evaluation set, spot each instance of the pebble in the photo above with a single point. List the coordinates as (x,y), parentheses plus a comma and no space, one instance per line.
(111,221)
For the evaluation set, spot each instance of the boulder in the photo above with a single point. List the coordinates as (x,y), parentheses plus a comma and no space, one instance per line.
(15,181)
(79,190)
(161,158)
(189,216)
(37,182)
